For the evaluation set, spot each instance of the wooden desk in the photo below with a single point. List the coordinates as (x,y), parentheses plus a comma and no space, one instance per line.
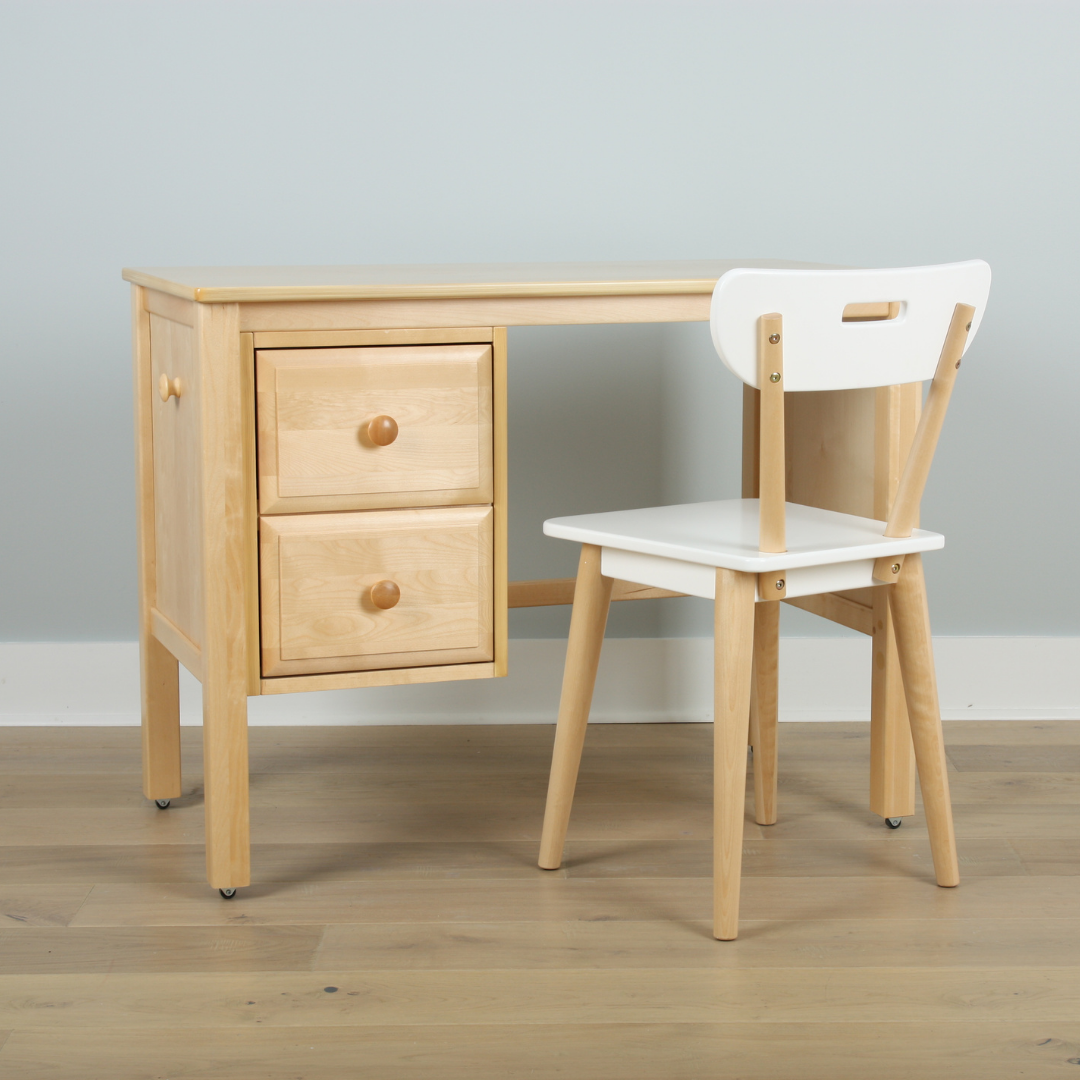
(240,377)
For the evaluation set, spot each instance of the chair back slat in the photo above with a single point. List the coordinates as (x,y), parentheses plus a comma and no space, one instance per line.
(892,334)
(905,509)
(772,483)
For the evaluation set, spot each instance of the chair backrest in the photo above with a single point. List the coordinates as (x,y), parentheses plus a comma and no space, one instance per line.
(781,330)
(825,351)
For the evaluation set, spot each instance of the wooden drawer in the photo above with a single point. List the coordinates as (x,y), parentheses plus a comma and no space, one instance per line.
(317,572)
(315,408)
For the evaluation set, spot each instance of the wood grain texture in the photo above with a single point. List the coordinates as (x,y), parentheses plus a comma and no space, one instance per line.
(764,710)
(315,407)
(911,620)
(158,673)
(682,1051)
(771,456)
(904,513)
(892,754)
(225,548)
(317,571)
(438,953)
(178,477)
(352,680)
(830,463)
(246,284)
(173,308)
(339,339)
(550,592)
(733,651)
(500,457)
(32,905)
(592,601)
(838,609)
(187,652)
(421,998)
(516,311)
(250,516)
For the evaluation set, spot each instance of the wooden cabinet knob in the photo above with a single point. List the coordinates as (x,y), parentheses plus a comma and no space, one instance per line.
(167,387)
(385,594)
(382,431)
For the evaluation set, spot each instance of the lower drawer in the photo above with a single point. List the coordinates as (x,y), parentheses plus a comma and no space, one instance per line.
(376,589)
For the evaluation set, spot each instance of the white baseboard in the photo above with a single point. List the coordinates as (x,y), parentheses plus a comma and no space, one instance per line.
(641,680)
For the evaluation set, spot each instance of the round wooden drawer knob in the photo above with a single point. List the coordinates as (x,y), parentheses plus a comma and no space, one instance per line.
(382,431)
(167,387)
(385,594)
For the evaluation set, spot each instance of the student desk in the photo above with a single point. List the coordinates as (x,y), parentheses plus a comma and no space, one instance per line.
(322,490)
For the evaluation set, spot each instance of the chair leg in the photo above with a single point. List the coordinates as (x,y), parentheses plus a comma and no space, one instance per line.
(763,709)
(592,598)
(734,647)
(911,618)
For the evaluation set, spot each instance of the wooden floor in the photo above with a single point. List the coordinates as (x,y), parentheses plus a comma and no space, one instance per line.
(399,927)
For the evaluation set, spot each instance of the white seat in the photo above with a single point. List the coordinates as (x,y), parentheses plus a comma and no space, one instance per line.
(679,547)
(783,330)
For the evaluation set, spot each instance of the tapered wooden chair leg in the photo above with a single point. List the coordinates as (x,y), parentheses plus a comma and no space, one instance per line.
(911,618)
(592,598)
(734,647)
(763,709)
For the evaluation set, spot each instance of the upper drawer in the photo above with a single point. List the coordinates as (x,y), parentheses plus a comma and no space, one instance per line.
(315,411)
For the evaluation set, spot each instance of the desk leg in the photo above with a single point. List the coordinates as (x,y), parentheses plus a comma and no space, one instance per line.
(892,758)
(225,771)
(226,576)
(160,719)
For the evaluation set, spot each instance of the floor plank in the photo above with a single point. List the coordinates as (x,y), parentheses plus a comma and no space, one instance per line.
(543,898)
(847,942)
(34,905)
(574,996)
(676,1051)
(43,950)
(1015,758)
(1044,856)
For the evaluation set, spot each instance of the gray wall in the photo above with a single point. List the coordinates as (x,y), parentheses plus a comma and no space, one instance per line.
(858,133)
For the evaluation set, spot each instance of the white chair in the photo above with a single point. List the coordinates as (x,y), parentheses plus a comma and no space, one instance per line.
(785,330)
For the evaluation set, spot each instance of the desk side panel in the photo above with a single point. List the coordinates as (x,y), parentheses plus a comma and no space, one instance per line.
(177,427)
(830,436)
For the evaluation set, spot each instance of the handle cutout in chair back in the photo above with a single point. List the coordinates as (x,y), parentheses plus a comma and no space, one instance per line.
(874,311)
(839,334)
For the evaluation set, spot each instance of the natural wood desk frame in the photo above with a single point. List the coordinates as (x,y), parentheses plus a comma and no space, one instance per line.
(845,453)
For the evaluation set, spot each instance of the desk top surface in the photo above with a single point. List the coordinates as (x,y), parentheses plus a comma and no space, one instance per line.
(442,281)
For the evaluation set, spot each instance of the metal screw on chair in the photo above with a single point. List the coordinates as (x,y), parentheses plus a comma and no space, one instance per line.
(896,568)
(780,583)
(774,377)
(774,339)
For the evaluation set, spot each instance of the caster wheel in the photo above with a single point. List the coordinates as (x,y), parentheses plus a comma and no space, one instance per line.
(894,822)
(162,804)
(228,894)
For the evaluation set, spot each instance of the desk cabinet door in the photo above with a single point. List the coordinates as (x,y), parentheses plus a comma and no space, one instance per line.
(360,591)
(365,428)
